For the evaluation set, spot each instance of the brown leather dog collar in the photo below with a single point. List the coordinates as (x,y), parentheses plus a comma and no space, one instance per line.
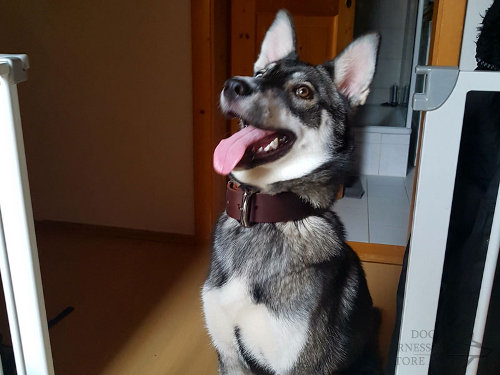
(251,208)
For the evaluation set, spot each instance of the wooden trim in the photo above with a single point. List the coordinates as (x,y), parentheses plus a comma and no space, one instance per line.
(306,8)
(415,176)
(378,253)
(345,17)
(209,67)
(368,252)
(243,19)
(119,232)
(447,29)
(242,22)
(201,51)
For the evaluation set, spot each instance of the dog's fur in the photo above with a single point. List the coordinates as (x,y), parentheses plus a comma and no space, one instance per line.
(291,298)
(488,43)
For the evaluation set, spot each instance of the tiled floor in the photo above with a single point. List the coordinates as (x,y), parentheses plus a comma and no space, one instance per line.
(381,215)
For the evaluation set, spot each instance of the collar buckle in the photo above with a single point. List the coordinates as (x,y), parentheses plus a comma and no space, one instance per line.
(245,208)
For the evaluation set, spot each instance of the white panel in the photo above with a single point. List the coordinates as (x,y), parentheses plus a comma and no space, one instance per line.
(364,135)
(393,160)
(398,139)
(369,158)
(431,219)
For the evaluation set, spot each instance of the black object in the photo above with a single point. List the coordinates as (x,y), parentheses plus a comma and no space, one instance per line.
(8,361)
(354,188)
(63,314)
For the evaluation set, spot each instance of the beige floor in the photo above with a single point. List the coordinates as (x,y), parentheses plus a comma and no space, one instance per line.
(137,305)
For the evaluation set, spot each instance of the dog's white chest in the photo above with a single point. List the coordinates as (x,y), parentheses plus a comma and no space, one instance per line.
(272,341)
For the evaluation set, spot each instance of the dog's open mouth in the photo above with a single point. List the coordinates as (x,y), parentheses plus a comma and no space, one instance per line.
(250,147)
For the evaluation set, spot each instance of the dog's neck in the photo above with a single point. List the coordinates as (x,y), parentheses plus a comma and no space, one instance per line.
(318,188)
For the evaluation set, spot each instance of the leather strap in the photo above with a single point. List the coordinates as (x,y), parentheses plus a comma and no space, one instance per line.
(251,208)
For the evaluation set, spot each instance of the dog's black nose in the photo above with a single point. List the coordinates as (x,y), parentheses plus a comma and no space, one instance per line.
(235,87)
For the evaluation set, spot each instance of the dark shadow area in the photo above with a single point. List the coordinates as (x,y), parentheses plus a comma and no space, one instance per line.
(6,350)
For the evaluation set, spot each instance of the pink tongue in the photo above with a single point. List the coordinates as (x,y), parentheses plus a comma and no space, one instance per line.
(229,151)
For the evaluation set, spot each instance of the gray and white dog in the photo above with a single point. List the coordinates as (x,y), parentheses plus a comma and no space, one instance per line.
(291,297)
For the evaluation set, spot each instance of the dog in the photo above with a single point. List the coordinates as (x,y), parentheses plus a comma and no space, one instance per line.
(286,294)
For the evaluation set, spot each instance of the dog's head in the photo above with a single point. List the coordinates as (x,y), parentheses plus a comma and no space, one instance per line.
(293,114)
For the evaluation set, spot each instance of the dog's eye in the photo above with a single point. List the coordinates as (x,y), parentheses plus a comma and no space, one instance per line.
(303,92)
(259,74)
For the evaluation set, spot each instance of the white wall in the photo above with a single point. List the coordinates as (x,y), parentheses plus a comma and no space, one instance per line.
(106,111)
(388,17)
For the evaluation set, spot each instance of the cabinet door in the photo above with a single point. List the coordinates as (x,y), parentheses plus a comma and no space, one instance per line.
(323,29)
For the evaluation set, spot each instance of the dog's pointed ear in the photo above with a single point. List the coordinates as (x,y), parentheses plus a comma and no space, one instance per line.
(354,67)
(279,41)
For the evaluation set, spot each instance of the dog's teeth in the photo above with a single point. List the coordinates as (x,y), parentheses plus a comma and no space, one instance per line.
(274,144)
(271,146)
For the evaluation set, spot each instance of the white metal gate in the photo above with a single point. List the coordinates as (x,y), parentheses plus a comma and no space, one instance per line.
(436,180)
(19,265)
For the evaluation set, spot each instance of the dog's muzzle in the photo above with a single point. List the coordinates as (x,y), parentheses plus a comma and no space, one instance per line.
(236,87)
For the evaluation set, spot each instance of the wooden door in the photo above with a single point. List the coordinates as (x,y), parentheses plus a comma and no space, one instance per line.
(323,29)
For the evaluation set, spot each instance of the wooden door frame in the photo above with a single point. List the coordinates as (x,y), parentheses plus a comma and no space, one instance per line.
(209,40)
